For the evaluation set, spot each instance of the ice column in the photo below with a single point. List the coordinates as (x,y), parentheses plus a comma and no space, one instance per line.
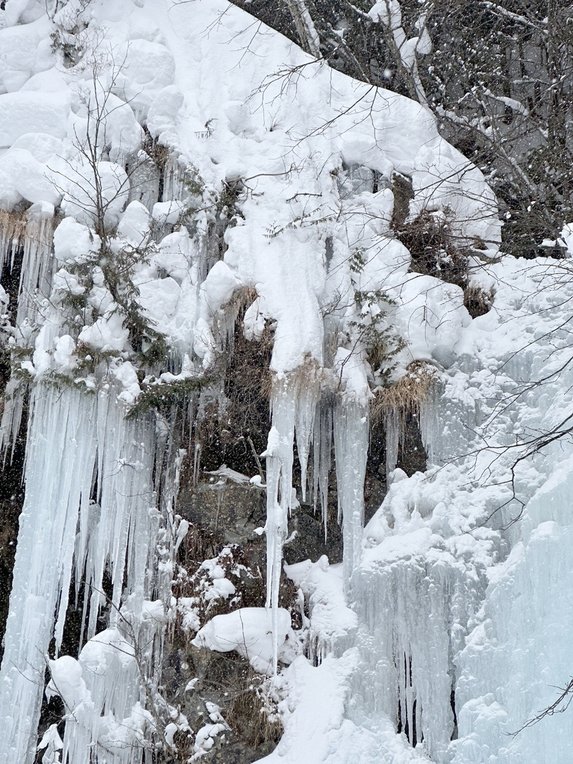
(279,456)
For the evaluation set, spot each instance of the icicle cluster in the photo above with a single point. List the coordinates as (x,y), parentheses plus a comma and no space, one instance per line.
(293,410)
(413,614)
(25,249)
(89,495)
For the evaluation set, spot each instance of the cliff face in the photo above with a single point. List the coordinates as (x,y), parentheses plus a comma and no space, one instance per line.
(246,298)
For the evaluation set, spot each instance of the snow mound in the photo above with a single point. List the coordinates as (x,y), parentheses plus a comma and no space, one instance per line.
(249,631)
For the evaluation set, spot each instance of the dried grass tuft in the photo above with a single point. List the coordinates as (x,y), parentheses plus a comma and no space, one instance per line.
(477,300)
(242,298)
(12,224)
(252,715)
(408,393)
(306,377)
(433,248)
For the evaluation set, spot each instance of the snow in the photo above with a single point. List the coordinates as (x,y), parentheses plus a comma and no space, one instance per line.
(31,180)
(77,182)
(73,241)
(25,51)
(331,622)
(134,224)
(168,212)
(254,632)
(29,112)
(106,334)
(431,317)
(147,67)
(314,730)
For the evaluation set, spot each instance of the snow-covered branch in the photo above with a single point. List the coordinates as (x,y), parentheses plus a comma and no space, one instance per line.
(388,14)
(518,18)
(305,27)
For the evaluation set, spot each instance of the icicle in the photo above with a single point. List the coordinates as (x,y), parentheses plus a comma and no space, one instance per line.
(144,180)
(11,415)
(322,457)
(304,424)
(430,429)
(351,449)
(196,463)
(35,276)
(12,227)
(279,456)
(393,426)
(174,180)
(173,529)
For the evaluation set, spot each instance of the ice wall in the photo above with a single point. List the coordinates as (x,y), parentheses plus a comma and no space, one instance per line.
(461,592)
(517,657)
(518,660)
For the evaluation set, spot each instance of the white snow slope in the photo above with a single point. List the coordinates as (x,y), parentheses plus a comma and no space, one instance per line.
(447,595)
